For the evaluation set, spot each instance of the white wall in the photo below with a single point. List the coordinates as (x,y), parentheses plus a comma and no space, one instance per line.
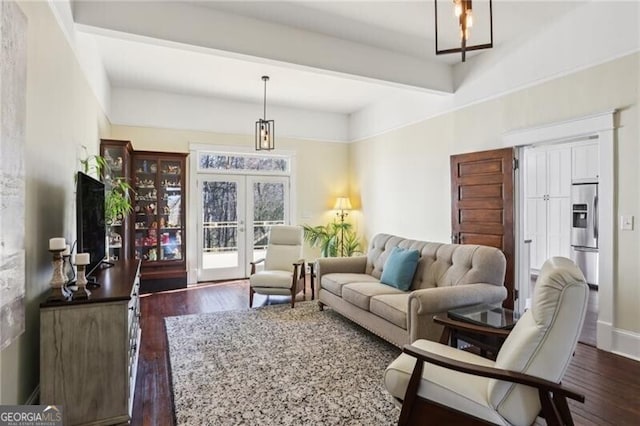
(132,107)
(402,176)
(591,34)
(62,114)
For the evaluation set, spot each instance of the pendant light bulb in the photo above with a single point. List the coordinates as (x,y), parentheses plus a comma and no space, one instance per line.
(457,8)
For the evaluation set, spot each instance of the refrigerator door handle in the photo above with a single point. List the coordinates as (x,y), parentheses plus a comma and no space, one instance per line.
(595,217)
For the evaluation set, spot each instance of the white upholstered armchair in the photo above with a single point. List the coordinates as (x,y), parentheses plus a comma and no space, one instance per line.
(452,386)
(283,272)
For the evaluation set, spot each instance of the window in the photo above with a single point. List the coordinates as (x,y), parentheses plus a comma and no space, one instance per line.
(243,163)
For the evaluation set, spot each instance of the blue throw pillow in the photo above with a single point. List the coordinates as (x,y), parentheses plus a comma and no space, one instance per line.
(399,268)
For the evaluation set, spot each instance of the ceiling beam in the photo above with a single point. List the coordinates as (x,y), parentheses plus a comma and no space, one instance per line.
(233,35)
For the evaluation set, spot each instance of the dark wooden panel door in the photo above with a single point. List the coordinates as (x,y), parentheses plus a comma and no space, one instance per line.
(482,204)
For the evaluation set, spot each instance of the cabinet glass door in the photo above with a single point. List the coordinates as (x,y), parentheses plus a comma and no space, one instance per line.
(170,226)
(146,242)
(116,158)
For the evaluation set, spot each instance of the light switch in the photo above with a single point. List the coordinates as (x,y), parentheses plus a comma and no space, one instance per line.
(626,223)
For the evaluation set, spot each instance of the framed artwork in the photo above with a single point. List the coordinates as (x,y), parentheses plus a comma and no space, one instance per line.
(13,88)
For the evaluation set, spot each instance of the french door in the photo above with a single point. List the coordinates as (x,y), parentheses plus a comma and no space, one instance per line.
(235,215)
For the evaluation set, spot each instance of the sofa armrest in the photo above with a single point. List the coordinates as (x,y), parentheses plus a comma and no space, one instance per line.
(330,265)
(425,303)
(442,299)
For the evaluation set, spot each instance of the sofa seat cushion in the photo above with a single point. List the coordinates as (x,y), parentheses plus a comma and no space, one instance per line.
(334,282)
(391,307)
(272,278)
(359,294)
(466,393)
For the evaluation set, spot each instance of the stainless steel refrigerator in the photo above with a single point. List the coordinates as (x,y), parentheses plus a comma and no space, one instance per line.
(584,229)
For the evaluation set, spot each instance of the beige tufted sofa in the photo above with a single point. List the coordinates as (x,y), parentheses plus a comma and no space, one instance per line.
(448,276)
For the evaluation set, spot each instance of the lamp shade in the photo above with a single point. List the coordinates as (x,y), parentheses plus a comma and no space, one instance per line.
(342,203)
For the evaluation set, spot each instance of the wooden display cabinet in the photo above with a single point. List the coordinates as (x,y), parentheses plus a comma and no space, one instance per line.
(117,154)
(159,180)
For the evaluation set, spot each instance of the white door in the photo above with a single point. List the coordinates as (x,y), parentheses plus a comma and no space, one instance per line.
(267,205)
(221,227)
(558,202)
(548,184)
(236,213)
(536,205)
(558,227)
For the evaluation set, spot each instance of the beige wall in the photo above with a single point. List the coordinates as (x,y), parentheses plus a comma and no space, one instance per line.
(402,176)
(62,115)
(321,168)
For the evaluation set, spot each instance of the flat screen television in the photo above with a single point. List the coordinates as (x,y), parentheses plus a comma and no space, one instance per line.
(90,222)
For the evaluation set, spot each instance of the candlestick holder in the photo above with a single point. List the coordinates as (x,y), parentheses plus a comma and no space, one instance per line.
(58,279)
(81,282)
(69,273)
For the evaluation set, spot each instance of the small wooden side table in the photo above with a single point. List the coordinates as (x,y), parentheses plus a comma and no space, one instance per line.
(478,328)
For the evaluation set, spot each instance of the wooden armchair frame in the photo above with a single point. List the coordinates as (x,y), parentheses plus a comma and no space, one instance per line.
(553,396)
(297,277)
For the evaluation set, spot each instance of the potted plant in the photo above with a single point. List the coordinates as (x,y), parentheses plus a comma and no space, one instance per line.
(118,192)
(334,239)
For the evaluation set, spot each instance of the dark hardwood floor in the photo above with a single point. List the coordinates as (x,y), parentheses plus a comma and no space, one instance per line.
(588,334)
(610,383)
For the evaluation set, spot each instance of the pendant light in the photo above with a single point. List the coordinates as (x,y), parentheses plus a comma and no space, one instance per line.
(463,14)
(265,129)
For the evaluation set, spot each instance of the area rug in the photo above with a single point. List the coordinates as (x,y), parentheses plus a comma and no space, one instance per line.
(278,366)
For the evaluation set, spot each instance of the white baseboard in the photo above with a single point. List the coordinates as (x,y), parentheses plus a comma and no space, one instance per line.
(626,343)
(34,397)
(620,342)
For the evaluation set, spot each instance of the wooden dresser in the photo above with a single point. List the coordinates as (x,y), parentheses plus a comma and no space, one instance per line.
(89,349)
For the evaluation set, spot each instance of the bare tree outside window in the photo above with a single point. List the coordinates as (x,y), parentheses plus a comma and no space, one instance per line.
(268,210)
(242,163)
(220,216)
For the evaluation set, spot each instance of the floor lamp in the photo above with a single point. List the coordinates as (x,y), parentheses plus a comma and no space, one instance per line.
(342,205)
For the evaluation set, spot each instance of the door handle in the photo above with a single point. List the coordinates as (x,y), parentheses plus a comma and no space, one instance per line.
(595,217)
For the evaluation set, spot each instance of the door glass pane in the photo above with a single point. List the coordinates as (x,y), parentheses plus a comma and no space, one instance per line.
(220,225)
(268,210)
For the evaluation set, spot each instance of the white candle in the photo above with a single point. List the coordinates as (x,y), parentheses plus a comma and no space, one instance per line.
(57,243)
(82,259)
(66,251)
